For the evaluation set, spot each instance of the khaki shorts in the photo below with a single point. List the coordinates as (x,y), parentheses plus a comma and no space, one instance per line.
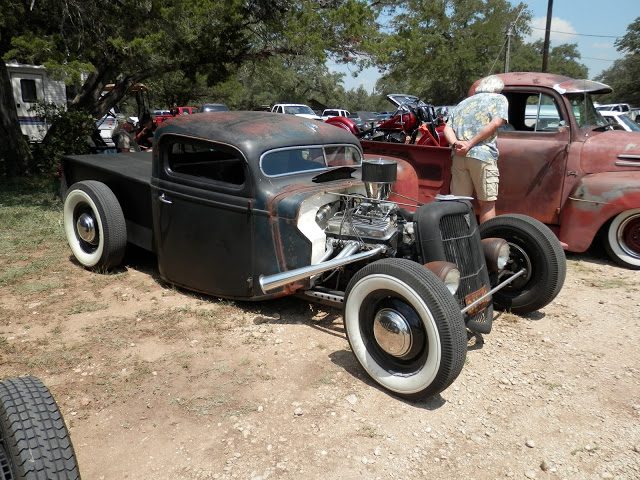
(470,174)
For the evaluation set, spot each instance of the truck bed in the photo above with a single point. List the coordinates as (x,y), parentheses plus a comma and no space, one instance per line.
(128,175)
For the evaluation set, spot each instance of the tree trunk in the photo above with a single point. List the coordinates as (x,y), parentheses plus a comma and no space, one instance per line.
(14,149)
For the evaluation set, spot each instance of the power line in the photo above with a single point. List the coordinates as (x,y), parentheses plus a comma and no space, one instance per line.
(577,34)
(600,59)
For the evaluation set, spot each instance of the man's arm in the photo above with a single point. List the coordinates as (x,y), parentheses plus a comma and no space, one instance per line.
(450,135)
(485,132)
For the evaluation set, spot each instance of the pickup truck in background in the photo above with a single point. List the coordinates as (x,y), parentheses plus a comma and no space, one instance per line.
(253,206)
(560,162)
(296,109)
(327,113)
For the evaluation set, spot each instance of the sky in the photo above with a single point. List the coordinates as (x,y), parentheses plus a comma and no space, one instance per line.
(591,24)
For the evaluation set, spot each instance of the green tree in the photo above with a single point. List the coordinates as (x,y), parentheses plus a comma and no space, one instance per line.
(438,48)
(564,59)
(128,41)
(624,73)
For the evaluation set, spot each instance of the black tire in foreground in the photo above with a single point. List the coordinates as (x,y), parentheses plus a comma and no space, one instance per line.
(534,247)
(34,441)
(405,328)
(94,225)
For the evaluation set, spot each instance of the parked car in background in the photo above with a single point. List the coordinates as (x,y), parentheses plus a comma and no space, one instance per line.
(106,126)
(164,115)
(334,112)
(382,116)
(560,163)
(620,121)
(613,107)
(213,107)
(297,109)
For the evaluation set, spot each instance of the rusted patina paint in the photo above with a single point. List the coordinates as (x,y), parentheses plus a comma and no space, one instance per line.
(596,200)
(559,83)
(275,218)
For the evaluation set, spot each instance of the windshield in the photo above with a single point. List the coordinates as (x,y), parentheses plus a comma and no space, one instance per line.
(287,161)
(298,109)
(583,110)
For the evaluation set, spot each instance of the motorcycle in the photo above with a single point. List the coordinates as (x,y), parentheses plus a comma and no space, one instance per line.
(413,122)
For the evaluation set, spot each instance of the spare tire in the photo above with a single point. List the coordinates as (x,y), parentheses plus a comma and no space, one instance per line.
(34,441)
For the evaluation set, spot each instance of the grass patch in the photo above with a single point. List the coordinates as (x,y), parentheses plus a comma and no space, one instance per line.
(86,307)
(607,283)
(31,217)
(201,406)
(15,274)
(39,286)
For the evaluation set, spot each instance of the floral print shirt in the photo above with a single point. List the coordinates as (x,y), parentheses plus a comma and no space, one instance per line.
(473,113)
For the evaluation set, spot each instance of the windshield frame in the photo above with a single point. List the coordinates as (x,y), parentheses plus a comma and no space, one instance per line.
(327,164)
(584,111)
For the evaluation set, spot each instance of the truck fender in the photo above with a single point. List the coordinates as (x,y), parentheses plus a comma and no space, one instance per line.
(405,190)
(596,199)
(344,123)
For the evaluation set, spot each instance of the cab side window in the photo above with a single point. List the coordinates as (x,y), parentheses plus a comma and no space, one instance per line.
(206,161)
(533,112)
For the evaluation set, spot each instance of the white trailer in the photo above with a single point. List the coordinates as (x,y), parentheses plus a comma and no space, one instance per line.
(31,85)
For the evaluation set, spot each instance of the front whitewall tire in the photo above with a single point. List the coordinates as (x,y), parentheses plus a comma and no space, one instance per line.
(403,385)
(422,350)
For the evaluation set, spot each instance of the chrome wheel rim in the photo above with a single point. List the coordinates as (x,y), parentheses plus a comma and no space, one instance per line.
(392,332)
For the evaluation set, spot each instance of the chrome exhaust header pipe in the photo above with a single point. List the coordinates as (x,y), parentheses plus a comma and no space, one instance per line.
(271,282)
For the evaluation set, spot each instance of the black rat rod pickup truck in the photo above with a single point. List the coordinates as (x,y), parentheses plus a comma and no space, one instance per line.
(255,205)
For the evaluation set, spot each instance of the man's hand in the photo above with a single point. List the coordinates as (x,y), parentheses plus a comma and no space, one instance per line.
(461,147)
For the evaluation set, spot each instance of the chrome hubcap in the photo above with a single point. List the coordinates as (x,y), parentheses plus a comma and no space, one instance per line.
(86,228)
(392,332)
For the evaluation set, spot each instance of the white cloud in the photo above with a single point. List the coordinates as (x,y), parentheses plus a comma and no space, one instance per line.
(539,24)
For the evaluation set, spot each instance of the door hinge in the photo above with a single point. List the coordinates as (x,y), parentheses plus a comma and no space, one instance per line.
(572,173)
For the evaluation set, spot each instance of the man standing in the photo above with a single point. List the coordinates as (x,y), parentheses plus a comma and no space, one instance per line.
(471,130)
(124,138)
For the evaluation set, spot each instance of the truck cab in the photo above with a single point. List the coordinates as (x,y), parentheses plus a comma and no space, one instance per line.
(562,163)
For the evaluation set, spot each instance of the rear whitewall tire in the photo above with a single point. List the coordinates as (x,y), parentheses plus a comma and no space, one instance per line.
(98,201)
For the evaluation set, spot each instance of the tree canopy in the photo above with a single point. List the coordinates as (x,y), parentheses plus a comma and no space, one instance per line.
(624,73)
(248,53)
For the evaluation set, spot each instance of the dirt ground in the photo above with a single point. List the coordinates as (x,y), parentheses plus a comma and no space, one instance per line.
(159,383)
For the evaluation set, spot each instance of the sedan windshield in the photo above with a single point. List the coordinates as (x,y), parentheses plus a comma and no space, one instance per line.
(287,161)
(584,111)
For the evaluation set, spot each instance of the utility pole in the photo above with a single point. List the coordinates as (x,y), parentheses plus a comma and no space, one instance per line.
(508,52)
(547,32)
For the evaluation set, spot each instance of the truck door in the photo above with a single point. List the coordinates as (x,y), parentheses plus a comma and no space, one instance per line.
(533,153)
(202,216)
(28,89)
